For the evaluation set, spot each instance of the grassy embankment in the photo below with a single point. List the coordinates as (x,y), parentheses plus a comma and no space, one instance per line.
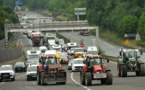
(112,37)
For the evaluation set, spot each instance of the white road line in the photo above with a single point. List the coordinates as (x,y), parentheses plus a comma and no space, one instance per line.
(78,83)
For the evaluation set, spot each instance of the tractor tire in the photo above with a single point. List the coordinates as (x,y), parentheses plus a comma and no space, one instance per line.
(103,81)
(142,69)
(123,71)
(119,70)
(42,79)
(137,73)
(88,79)
(38,79)
(82,78)
(109,79)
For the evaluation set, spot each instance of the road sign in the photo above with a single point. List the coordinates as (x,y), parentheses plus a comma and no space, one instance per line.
(126,41)
(81,45)
(80,11)
(137,36)
(19,3)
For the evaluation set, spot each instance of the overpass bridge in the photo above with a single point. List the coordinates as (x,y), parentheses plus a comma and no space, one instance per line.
(55,26)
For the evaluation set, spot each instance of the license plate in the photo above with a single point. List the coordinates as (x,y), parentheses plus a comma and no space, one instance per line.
(102,75)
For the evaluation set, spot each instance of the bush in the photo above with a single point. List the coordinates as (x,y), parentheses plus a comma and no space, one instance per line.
(140,43)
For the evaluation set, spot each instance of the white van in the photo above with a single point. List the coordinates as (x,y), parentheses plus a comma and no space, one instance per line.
(92,48)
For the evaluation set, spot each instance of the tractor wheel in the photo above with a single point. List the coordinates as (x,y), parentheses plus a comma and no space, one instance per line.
(88,79)
(119,70)
(137,73)
(123,71)
(38,79)
(82,78)
(42,79)
(103,81)
(142,69)
(109,79)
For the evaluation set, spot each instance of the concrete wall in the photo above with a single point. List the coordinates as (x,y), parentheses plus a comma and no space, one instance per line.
(10,53)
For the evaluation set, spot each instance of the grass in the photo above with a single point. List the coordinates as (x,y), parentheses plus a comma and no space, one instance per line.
(46,12)
(62,18)
(112,37)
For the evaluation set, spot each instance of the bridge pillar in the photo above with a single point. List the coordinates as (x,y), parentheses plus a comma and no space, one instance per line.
(97,36)
(6,35)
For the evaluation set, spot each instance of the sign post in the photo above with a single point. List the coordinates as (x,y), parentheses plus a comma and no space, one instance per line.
(79,11)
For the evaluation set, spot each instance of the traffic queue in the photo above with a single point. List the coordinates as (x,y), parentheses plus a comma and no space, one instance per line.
(44,62)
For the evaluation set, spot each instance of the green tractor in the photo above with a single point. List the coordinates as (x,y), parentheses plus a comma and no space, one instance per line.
(129,61)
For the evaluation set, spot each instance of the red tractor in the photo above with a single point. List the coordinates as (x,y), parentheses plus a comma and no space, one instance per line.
(49,71)
(95,69)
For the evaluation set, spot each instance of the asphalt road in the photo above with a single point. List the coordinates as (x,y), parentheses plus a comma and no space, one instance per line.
(108,47)
(73,81)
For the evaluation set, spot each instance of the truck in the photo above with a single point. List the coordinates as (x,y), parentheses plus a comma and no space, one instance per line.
(36,39)
(49,39)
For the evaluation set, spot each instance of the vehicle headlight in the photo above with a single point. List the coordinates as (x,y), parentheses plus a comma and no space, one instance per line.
(11,73)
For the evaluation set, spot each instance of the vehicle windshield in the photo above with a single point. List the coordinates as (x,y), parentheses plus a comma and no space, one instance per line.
(36,38)
(92,52)
(131,54)
(32,68)
(33,56)
(94,61)
(79,50)
(50,61)
(78,62)
(72,47)
(33,61)
(5,68)
(19,64)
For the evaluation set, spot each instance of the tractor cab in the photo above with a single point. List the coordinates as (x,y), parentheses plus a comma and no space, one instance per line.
(129,55)
(93,60)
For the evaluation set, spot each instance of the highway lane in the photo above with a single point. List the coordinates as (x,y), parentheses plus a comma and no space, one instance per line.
(108,47)
(73,81)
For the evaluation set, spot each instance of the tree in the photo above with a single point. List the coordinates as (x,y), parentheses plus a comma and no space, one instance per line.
(141,26)
(128,25)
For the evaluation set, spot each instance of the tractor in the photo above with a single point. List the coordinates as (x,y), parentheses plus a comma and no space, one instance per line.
(95,69)
(129,61)
(50,71)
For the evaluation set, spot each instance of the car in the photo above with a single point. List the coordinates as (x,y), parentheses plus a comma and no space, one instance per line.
(64,57)
(85,33)
(42,49)
(79,52)
(20,66)
(56,47)
(71,51)
(76,64)
(31,72)
(7,72)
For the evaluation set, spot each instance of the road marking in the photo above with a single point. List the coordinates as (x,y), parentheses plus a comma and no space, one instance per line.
(78,82)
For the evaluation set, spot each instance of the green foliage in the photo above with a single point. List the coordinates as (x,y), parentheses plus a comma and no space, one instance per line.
(6,13)
(141,26)
(128,25)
